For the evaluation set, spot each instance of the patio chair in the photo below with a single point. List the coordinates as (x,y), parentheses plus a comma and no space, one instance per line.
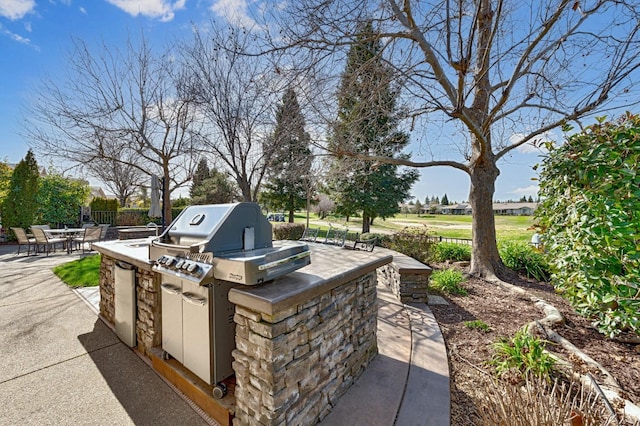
(23,239)
(336,237)
(46,241)
(44,228)
(103,228)
(310,234)
(91,235)
(365,245)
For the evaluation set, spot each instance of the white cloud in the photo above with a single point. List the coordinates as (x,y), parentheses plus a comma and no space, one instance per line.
(16,9)
(17,37)
(162,9)
(83,10)
(535,146)
(528,190)
(235,12)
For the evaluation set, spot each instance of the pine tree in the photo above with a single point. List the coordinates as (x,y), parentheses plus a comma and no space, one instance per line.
(367,124)
(445,200)
(201,173)
(20,206)
(289,173)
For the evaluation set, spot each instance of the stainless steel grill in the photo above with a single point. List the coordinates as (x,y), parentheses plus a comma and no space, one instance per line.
(205,252)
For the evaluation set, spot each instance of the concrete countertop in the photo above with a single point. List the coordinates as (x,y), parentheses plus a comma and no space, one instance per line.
(134,251)
(330,267)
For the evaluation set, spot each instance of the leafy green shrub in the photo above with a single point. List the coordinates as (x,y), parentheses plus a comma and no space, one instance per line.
(442,252)
(413,242)
(104,204)
(288,231)
(525,259)
(448,281)
(477,325)
(590,217)
(523,353)
(383,239)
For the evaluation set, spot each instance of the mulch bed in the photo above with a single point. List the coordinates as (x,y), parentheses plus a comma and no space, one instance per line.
(470,349)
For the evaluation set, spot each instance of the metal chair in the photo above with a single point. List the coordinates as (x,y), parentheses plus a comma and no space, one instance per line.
(336,237)
(23,239)
(48,242)
(310,234)
(91,235)
(103,228)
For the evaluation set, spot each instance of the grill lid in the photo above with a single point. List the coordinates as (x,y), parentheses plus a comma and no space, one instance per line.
(220,228)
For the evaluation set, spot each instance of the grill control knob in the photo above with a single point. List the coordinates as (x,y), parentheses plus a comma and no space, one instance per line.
(193,268)
(169,261)
(186,265)
(179,264)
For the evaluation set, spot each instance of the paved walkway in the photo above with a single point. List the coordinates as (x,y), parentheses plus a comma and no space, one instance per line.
(62,366)
(60,360)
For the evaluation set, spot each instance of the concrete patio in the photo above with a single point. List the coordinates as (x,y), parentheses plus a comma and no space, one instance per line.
(63,365)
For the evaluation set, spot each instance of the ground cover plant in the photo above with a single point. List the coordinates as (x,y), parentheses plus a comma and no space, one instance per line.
(453,252)
(448,281)
(525,259)
(84,272)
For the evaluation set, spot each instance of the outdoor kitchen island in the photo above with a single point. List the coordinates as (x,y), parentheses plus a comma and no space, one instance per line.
(301,340)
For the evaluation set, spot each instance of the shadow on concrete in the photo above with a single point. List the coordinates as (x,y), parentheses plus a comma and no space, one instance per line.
(147,399)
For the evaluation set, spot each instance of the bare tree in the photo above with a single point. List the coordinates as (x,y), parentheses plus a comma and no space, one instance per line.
(116,171)
(237,93)
(489,75)
(125,107)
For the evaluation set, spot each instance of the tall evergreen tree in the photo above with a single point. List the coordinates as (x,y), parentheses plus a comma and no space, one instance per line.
(445,200)
(20,206)
(290,169)
(367,124)
(201,173)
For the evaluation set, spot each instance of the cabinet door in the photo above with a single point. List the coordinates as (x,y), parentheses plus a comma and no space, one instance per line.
(172,316)
(196,330)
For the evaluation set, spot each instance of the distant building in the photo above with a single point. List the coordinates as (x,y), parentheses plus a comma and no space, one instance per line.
(500,209)
(96,192)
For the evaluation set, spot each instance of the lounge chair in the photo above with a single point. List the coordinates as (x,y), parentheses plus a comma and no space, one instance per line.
(23,239)
(46,241)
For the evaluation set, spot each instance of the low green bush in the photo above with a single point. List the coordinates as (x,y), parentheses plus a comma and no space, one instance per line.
(288,231)
(454,252)
(525,259)
(524,354)
(448,281)
(477,325)
(383,239)
(413,242)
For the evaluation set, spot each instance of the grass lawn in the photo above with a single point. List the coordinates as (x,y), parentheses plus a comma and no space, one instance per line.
(508,228)
(83,272)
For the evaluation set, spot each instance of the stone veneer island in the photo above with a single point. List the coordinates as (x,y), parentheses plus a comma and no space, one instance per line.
(301,340)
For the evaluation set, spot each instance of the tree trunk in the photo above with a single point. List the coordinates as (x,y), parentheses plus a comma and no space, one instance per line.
(291,208)
(366,223)
(485,259)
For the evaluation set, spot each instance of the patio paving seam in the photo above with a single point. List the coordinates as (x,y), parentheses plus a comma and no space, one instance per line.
(39,299)
(59,363)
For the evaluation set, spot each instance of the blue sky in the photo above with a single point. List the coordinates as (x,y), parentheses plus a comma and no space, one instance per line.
(36,38)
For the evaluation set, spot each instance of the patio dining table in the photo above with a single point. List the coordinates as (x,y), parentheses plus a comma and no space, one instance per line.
(68,233)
